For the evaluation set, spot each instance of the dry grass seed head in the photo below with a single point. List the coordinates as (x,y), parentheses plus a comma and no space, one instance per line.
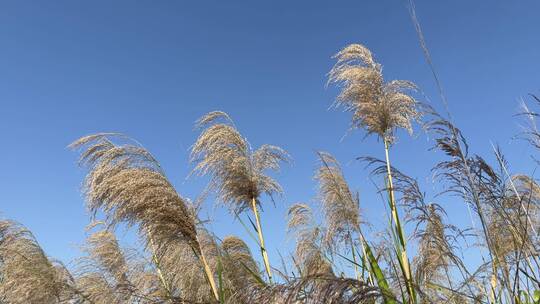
(432,256)
(308,257)
(340,205)
(28,275)
(237,173)
(103,249)
(315,289)
(519,207)
(128,185)
(377,106)
(110,268)
(97,289)
(183,270)
(239,268)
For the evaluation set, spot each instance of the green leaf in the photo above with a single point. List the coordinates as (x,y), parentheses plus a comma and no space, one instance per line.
(379,276)
(254,275)
(220,282)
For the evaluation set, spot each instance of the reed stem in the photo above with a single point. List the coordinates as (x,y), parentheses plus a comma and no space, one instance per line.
(209,276)
(261,239)
(198,254)
(158,266)
(398,228)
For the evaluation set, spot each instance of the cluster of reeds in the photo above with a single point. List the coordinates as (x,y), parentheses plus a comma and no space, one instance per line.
(418,258)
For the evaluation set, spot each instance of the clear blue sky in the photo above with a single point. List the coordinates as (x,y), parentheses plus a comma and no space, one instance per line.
(151,68)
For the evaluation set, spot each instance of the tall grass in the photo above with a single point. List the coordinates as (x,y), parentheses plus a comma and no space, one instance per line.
(336,259)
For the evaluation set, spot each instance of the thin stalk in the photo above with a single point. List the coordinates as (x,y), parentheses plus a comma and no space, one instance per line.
(158,266)
(208,272)
(398,228)
(209,275)
(261,240)
(499,158)
(355,264)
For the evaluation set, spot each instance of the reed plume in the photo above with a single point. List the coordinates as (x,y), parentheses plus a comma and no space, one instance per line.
(106,273)
(127,184)
(308,256)
(512,216)
(432,262)
(27,275)
(489,193)
(340,205)
(341,208)
(240,271)
(316,289)
(237,173)
(105,252)
(380,108)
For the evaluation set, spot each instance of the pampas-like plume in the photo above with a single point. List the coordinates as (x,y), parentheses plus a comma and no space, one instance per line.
(433,249)
(237,172)
(340,206)
(105,252)
(518,208)
(308,256)
(105,272)
(315,289)
(240,271)
(128,185)
(377,106)
(184,271)
(339,203)
(27,274)
(380,108)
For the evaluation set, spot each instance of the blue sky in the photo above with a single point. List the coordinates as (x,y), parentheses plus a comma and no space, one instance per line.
(151,68)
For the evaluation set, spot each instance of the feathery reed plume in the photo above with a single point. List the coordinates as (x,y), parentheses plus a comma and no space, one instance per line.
(97,289)
(380,108)
(437,240)
(128,185)
(433,260)
(104,250)
(105,272)
(27,275)
(512,216)
(241,272)
(316,289)
(184,271)
(339,203)
(340,207)
(488,193)
(237,172)
(308,256)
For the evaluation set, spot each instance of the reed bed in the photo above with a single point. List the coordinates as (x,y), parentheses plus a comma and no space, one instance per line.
(418,258)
